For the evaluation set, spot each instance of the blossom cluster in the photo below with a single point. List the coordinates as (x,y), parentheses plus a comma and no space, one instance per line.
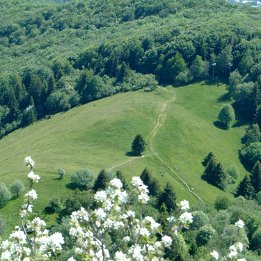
(114,214)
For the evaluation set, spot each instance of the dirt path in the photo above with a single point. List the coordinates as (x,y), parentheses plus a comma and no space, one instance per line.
(149,140)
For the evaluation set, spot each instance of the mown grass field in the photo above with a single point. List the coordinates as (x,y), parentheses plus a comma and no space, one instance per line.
(99,134)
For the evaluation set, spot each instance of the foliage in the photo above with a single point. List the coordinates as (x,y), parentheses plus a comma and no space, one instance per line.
(2,225)
(125,46)
(204,234)
(53,206)
(256,176)
(200,219)
(222,203)
(255,242)
(252,134)
(82,179)
(232,174)
(249,155)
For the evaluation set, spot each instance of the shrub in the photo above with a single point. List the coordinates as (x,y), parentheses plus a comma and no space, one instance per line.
(82,179)
(204,235)
(226,115)
(199,220)
(222,203)
(17,187)
(5,194)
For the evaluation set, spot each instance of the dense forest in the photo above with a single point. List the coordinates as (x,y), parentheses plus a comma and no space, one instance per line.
(56,56)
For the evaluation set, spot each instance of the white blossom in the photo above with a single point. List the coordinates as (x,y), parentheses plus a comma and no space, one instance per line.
(33,177)
(29,162)
(116,183)
(232,254)
(31,195)
(214,254)
(100,196)
(171,219)
(119,256)
(186,218)
(100,213)
(184,205)
(237,247)
(166,240)
(144,232)
(240,223)
(71,259)
(136,182)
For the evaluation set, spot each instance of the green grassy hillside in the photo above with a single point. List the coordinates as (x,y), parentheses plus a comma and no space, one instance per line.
(98,135)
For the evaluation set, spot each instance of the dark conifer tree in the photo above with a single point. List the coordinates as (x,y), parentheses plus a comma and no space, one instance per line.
(256,177)
(152,183)
(207,159)
(209,170)
(138,145)
(163,218)
(154,187)
(245,188)
(219,176)
(121,177)
(101,181)
(145,176)
(167,197)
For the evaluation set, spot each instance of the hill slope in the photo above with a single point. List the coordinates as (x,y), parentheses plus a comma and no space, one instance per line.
(98,135)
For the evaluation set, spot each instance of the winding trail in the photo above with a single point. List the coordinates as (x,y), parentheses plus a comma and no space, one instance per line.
(149,140)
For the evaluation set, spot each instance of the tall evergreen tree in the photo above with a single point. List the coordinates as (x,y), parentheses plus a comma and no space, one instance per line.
(219,176)
(138,145)
(145,176)
(207,159)
(152,183)
(163,218)
(256,177)
(245,188)
(167,197)
(209,170)
(214,172)
(101,181)
(121,177)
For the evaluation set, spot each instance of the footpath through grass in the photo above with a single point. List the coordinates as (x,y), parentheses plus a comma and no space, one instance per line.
(99,135)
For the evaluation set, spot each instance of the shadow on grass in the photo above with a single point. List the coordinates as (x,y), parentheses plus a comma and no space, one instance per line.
(220,125)
(131,154)
(57,178)
(224,98)
(71,186)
